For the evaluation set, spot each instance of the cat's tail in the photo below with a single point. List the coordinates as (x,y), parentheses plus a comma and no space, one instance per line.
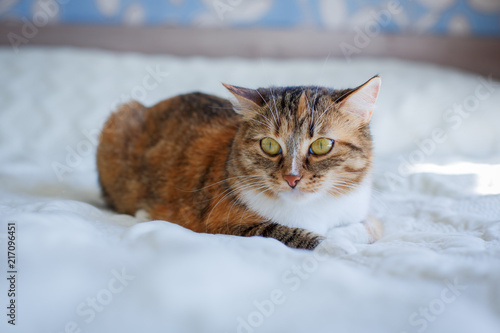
(120,156)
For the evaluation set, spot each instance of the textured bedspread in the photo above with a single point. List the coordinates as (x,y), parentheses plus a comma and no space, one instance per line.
(80,267)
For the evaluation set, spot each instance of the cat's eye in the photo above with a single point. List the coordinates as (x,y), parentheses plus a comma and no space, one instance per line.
(321,146)
(270,146)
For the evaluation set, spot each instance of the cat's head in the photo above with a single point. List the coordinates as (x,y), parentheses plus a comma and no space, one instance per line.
(301,142)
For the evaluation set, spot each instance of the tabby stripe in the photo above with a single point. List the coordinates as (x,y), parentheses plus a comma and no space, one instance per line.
(290,238)
(350,145)
(311,129)
(349,169)
(269,230)
(201,195)
(293,237)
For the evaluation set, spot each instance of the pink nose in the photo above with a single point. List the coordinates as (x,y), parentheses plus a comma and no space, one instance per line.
(292,180)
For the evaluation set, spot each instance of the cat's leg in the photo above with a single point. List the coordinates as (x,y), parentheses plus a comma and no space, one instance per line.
(293,237)
(365,232)
(341,240)
(143,215)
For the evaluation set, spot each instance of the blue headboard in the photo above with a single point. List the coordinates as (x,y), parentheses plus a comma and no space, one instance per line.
(464,17)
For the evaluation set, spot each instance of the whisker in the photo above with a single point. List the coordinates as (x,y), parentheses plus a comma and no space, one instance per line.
(268,122)
(275,118)
(229,192)
(190,191)
(235,202)
(275,107)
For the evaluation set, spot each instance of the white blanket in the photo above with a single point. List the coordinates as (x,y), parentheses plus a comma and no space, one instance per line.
(83,268)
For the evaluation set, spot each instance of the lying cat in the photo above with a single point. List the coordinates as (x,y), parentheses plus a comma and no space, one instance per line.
(291,163)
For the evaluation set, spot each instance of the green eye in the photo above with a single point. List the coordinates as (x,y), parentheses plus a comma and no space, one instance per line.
(321,146)
(270,146)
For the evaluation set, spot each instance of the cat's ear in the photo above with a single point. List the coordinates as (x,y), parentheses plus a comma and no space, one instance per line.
(361,101)
(248,99)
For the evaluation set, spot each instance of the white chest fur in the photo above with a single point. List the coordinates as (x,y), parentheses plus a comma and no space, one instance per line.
(314,212)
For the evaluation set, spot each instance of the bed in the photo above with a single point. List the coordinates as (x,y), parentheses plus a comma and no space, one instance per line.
(81,267)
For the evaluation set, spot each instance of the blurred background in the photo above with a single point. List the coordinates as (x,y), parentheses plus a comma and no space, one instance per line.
(437,194)
(457,33)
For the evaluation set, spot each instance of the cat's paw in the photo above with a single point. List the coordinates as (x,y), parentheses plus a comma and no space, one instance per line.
(375,229)
(365,232)
(143,215)
(337,247)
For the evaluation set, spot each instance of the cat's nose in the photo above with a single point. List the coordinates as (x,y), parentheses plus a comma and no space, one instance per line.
(292,180)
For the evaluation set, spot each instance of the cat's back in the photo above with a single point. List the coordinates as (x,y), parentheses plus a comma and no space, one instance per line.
(138,141)
(134,126)
(194,108)
(182,119)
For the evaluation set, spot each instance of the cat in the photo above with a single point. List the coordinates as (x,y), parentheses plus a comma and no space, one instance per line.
(289,163)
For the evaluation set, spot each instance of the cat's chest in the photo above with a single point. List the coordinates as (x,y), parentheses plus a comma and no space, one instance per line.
(318,213)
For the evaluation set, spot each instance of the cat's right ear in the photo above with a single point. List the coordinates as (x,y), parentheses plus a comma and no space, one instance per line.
(361,100)
(248,100)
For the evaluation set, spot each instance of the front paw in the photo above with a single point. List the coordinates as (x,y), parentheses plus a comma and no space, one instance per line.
(336,246)
(143,215)
(365,232)
(374,227)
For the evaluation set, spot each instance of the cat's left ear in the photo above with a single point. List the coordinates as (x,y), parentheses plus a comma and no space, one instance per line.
(248,99)
(361,101)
